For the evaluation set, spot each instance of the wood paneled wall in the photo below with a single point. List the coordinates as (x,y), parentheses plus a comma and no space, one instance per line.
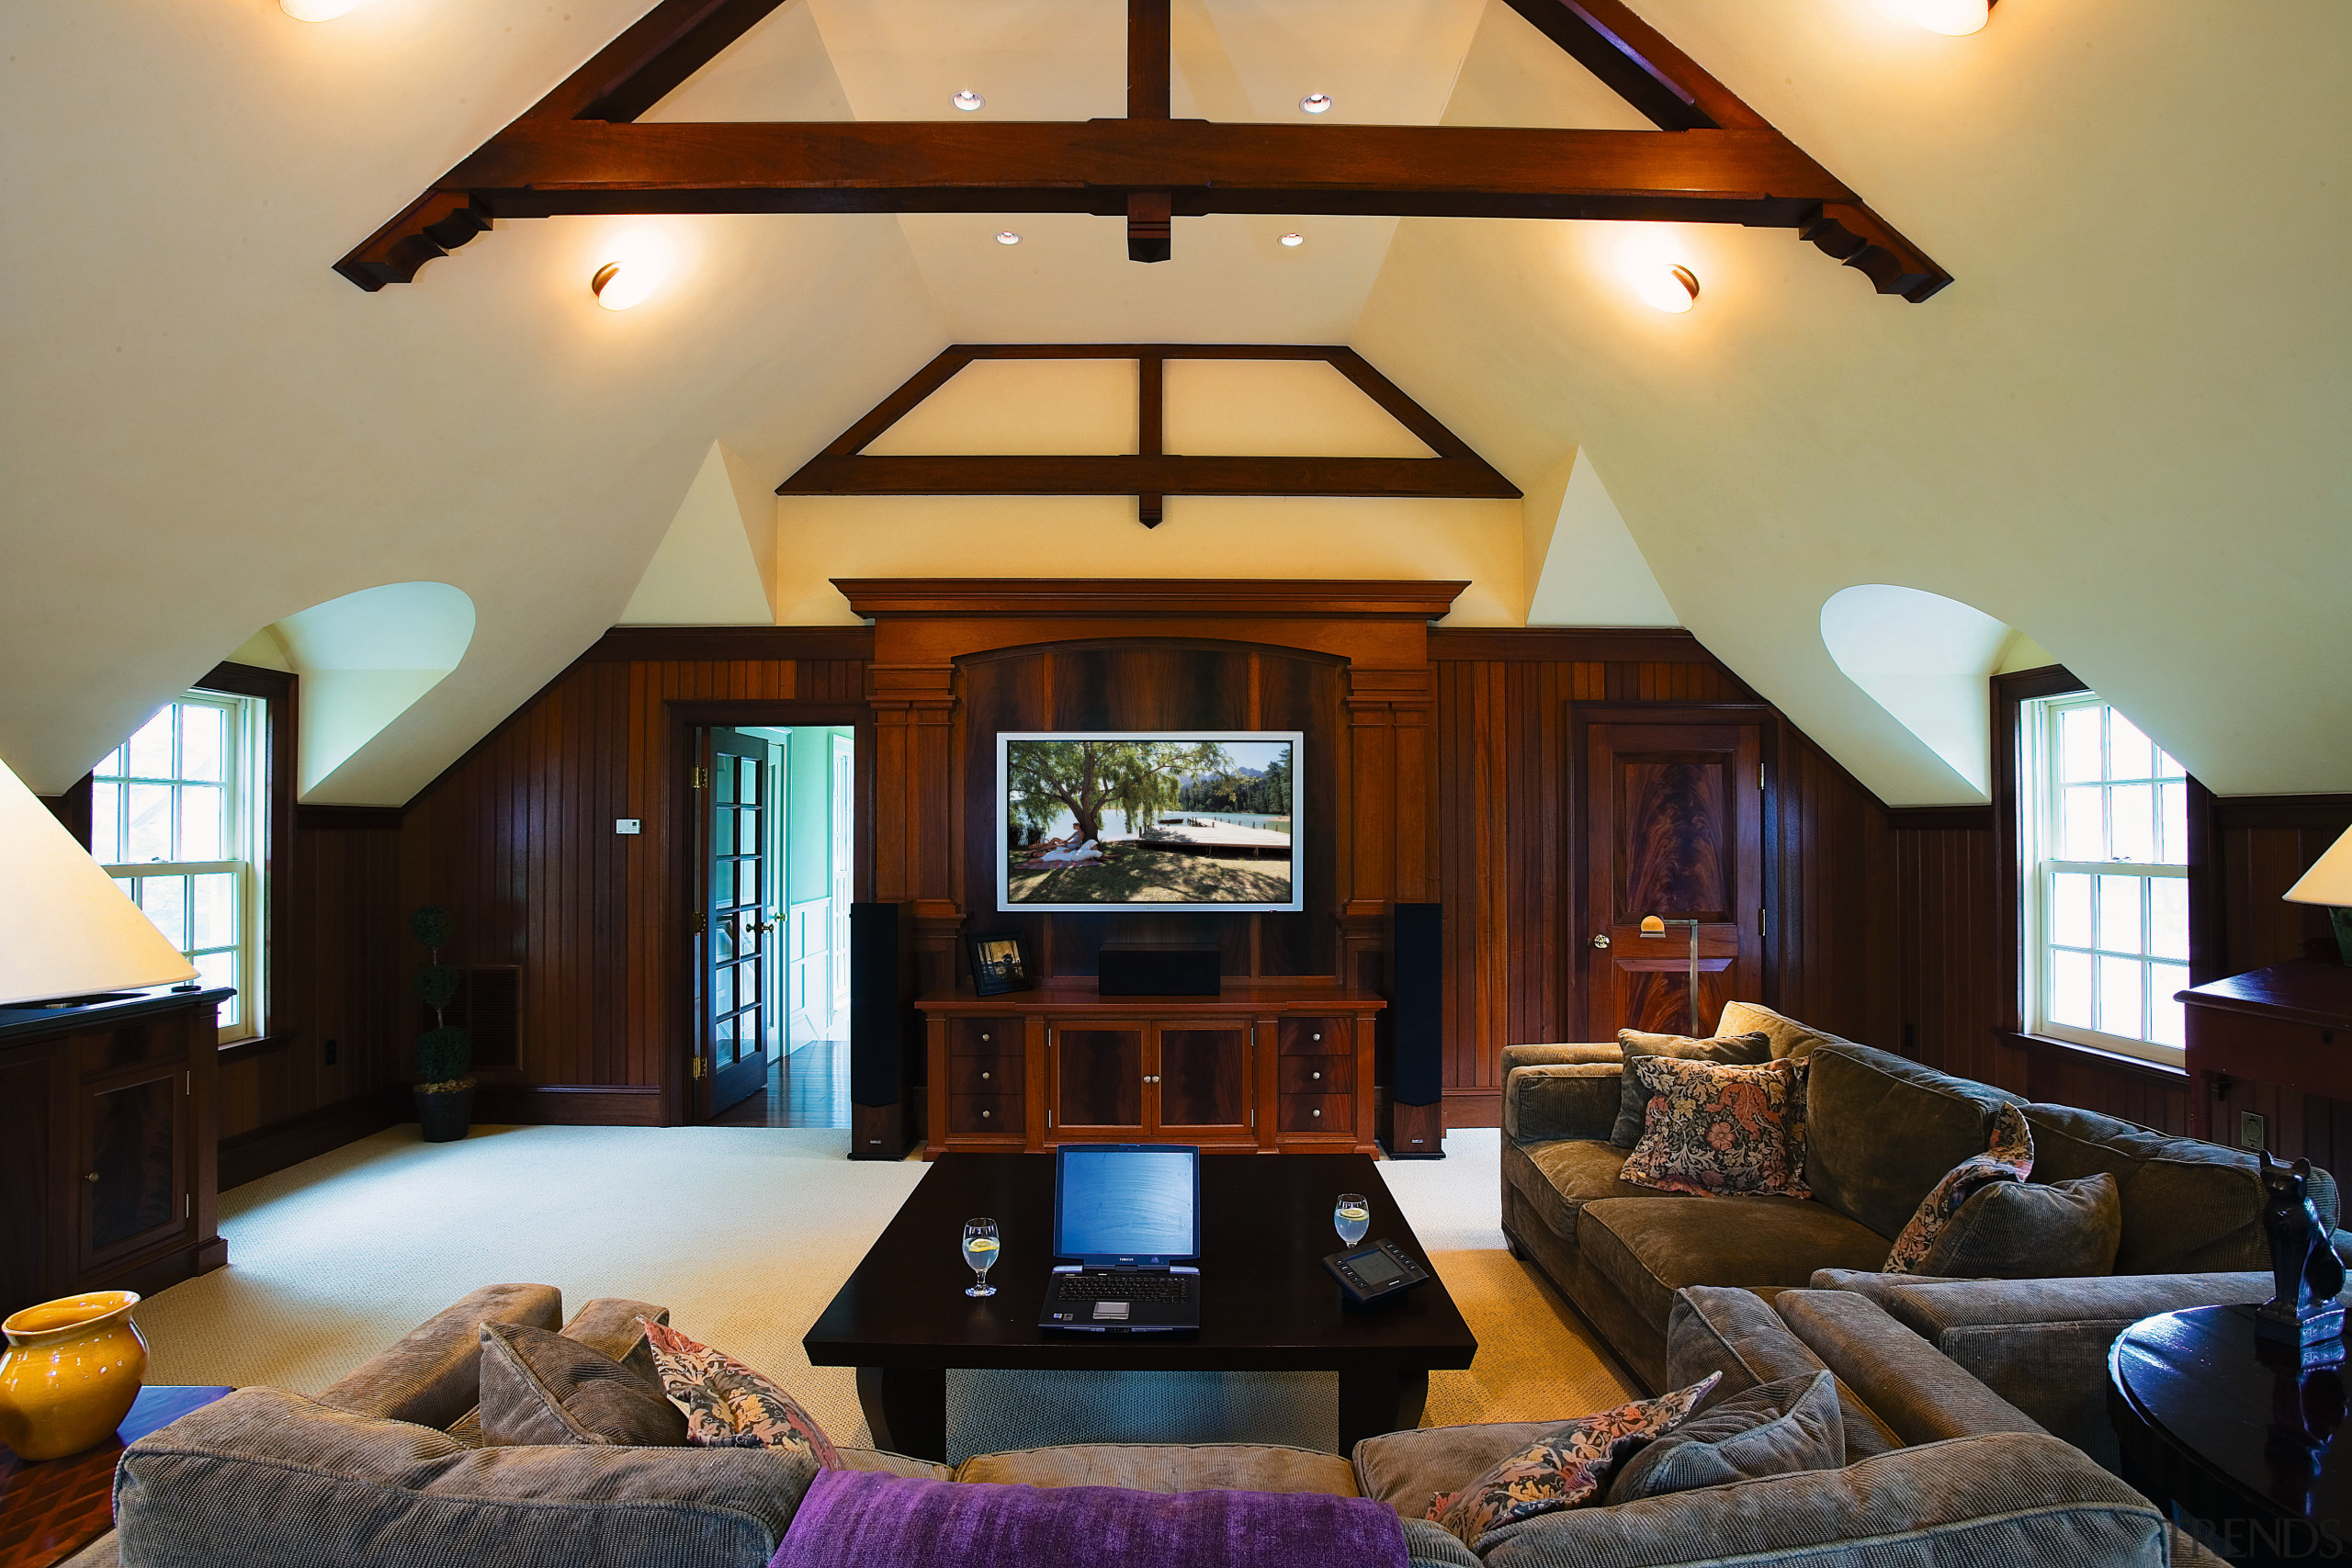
(1507,823)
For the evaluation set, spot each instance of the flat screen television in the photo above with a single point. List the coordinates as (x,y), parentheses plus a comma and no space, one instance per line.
(1149,819)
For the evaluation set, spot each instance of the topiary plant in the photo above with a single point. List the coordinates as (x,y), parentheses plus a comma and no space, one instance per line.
(445,1053)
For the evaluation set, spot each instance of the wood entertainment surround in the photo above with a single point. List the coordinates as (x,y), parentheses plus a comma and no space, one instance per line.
(1469,759)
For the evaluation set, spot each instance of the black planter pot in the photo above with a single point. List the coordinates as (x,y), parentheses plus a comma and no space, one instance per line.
(445,1116)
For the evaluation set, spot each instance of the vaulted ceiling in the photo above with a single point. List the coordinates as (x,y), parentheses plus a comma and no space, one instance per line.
(2120,431)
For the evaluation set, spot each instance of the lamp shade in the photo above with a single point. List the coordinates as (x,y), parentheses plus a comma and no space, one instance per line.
(2329,881)
(65,929)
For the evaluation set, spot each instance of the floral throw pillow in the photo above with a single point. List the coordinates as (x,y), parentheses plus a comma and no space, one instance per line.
(2008,1157)
(728,1405)
(1715,1130)
(1561,1469)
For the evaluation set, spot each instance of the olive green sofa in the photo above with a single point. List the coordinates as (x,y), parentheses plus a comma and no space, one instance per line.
(1881,1131)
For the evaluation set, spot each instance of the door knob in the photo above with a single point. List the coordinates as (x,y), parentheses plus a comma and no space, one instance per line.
(1600,940)
(983,1078)
(1317,1076)
(1319,1110)
(91,1177)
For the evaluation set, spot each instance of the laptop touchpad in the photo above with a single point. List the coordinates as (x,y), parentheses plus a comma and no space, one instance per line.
(1117,1310)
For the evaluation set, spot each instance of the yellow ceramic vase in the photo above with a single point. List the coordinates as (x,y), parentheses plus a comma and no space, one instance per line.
(71,1370)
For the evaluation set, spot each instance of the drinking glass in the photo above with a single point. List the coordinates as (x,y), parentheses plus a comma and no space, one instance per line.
(1352,1217)
(979,1251)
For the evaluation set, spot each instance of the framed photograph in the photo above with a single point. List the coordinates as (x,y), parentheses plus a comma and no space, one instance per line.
(1000,962)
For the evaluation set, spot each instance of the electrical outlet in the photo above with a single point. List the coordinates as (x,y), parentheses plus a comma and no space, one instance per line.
(330,1054)
(627,825)
(2254,1131)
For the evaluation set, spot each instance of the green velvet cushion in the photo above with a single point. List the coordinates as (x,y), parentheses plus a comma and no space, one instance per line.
(1880,1131)
(1775,1429)
(2014,1230)
(1789,1037)
(1632,1097)
(540,1388)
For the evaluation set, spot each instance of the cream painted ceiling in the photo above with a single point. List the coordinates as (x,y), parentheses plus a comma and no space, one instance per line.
(2121,431)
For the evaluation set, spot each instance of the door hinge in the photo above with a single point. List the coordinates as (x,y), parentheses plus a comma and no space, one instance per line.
(187,1085)
(698,778)
(702,921)
(698,1065)
(187,1209)
(1049,1120)
(1759,776)
(1760,915)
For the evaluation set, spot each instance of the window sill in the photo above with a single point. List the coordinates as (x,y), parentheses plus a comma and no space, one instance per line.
(258,1045)
(2092,1056)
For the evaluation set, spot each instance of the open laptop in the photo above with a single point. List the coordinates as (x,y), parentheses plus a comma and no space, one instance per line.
(1126,1213)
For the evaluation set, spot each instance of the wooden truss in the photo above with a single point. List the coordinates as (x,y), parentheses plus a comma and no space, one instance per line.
(579,150)
(1150,473)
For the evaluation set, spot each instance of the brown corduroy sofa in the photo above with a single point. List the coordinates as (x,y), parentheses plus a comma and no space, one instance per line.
(383,1470)
(1880,1130)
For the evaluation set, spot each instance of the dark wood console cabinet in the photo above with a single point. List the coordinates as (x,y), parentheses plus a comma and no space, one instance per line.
(1267,1068)
(2289,1025)
(109,1132)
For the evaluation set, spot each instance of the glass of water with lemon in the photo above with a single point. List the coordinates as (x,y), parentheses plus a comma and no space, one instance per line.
(1352,1217)
(979,1251)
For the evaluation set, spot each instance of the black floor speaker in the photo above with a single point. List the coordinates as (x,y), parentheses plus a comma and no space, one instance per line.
(1413,1025)
(885,1038)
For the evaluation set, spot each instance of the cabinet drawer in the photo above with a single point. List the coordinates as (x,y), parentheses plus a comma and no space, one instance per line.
(984,1114)
(1318,1075)
(1314,1037)
(984,1037)
(1332,1113)
(984,1075)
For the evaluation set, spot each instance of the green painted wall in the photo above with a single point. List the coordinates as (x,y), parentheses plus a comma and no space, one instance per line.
(808,806)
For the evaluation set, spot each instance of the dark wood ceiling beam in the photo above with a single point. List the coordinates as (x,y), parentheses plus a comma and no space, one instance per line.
(1634,61)
(1139,474)
(643,66)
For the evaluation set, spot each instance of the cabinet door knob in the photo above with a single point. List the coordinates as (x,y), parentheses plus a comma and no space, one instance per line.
(983,1078)
(1317,1076)
(91,1177)
(986,1114)
(1319,1110)
(1318,1037)
(984,1039)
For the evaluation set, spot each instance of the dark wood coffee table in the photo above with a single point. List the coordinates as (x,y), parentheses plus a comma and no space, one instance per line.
(2236,1431)
(1267,1303)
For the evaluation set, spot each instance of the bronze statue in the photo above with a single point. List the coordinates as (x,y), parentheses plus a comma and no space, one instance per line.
(2306,1274)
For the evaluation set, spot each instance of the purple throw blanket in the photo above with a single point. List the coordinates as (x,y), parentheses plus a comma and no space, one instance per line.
(859,1519)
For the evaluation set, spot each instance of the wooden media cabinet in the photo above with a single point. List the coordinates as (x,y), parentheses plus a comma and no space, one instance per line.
(1266,1068)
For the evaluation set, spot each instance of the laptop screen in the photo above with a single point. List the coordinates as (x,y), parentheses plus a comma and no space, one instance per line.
(1127,1203)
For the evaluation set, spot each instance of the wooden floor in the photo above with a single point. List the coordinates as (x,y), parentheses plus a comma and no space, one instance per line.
(807,1088)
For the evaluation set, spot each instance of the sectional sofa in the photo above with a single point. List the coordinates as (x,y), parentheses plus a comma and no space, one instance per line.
(382,1469)
(1882,1130)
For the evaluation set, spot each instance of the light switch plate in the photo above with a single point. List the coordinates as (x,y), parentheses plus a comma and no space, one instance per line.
(626,825)
(2254,1131)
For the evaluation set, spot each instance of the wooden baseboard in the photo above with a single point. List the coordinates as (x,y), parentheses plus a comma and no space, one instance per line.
(266,1149)
(571,1105)
(1474,1108)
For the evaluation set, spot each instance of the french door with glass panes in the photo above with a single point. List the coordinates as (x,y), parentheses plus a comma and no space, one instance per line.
(737,921)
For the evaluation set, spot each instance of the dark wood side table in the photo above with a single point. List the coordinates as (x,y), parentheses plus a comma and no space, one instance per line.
(2290,1024)
(1267,1303)
(2236,1431)
(50,1509)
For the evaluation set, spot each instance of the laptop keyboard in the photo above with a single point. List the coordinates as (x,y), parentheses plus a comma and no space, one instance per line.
(1124,1288)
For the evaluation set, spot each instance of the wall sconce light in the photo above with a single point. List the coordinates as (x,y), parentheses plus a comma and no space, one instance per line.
(1654,926)
(1673,290)
(618,285)
(1953,18)
(318,10)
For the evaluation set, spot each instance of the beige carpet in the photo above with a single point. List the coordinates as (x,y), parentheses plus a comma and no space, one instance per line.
(745,1234)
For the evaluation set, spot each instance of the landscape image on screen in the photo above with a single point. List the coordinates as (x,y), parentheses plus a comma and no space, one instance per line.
(1110,820)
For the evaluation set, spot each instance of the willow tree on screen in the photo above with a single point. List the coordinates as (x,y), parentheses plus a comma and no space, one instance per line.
(1086,778)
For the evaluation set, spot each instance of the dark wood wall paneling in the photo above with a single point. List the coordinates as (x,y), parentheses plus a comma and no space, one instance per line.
(1507,826)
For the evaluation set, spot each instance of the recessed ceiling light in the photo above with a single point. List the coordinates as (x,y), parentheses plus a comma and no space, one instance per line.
(318,10)
(1294,240)
(1673,290)
(1316,103)
(1006,237)
(967,100)
(617,286)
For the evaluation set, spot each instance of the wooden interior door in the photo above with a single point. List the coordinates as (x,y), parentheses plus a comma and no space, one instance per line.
(1200,1081)
(739,919)
(1098,1080)
(1674,827)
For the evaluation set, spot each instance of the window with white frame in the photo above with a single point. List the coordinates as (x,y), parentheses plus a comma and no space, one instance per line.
(2106,882)
(176,819)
